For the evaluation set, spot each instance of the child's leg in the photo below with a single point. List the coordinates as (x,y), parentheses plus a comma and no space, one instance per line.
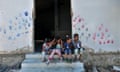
(81,52)
(75,54)
(59,54)
(43,55)
(66,54)
(70,54)
(51,55)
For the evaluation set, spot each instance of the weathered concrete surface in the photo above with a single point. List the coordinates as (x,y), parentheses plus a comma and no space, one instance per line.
(103,61)
(33,63)
(11,59)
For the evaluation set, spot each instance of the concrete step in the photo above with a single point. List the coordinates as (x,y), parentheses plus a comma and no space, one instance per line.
(33,63)
(116,68)
(34,55)
(52,67)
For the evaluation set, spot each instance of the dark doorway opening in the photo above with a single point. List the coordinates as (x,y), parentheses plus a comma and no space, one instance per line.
(52,17)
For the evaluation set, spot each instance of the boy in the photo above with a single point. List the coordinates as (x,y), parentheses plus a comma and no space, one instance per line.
(77,45)
(68,46)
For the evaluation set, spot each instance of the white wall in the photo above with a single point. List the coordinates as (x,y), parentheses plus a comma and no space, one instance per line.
(95,14)
(16,25)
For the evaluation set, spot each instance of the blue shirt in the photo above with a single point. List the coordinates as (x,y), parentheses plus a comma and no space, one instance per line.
(67,46)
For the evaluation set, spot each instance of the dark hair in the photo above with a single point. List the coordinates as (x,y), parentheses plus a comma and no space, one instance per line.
(67,38)
(76,35)
(57,37)
(47,40)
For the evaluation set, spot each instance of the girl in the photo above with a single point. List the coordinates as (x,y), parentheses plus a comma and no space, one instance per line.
(56,50)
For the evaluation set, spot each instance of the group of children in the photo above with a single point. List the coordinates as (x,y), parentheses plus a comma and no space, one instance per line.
(63,49)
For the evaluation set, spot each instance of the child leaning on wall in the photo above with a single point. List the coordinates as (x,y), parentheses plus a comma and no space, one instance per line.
(77,47)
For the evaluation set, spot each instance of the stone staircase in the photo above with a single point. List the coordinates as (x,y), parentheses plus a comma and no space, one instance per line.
(33,63)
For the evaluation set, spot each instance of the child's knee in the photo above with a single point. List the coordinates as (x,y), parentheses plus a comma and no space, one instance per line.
(43,53)
(76,51)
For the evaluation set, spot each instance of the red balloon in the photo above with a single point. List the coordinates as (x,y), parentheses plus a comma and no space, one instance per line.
(108,41)
(102,37)
(100,42)
(79,20)
(94,38)
(106,30)
(102,34)
(99,28)
(83,26)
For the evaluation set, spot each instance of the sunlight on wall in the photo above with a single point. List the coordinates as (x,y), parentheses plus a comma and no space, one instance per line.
(97,23)
(16,26)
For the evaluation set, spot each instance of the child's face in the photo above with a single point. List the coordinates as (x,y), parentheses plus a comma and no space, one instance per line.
(59,41)
(76,38)
(69,41)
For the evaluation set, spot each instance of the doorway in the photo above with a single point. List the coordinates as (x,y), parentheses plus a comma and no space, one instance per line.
(52,17)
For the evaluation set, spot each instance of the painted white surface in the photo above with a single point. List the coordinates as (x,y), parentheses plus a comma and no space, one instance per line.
(95,13)
(16,25)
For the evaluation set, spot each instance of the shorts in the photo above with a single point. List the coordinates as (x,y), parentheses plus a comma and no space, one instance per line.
(78,51)
(68,51)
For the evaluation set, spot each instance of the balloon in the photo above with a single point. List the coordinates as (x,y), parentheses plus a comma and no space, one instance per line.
(10,27)
(26,13)
(4,31)
(79,29)
(98,35)
(18,35)
(106,30)
(79,20)
(29,25)
(26,32)
(86,29)
(100,42)
(102,37)
(19,27)
(82,34)
(83,26)
(104,42)
(102,34)
(112,41)
(0,29)
(9,38)
(16,18)
(108,41)
(89,34)
(99,28)
(94,38)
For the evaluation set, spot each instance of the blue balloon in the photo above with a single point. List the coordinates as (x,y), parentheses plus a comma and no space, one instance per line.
(18,35)
(89,34)
(0,29)
(10,27)
(27,32)
(9,38)
(82,34)
(4,31)
(19,27)
(29,25)
(26,13)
